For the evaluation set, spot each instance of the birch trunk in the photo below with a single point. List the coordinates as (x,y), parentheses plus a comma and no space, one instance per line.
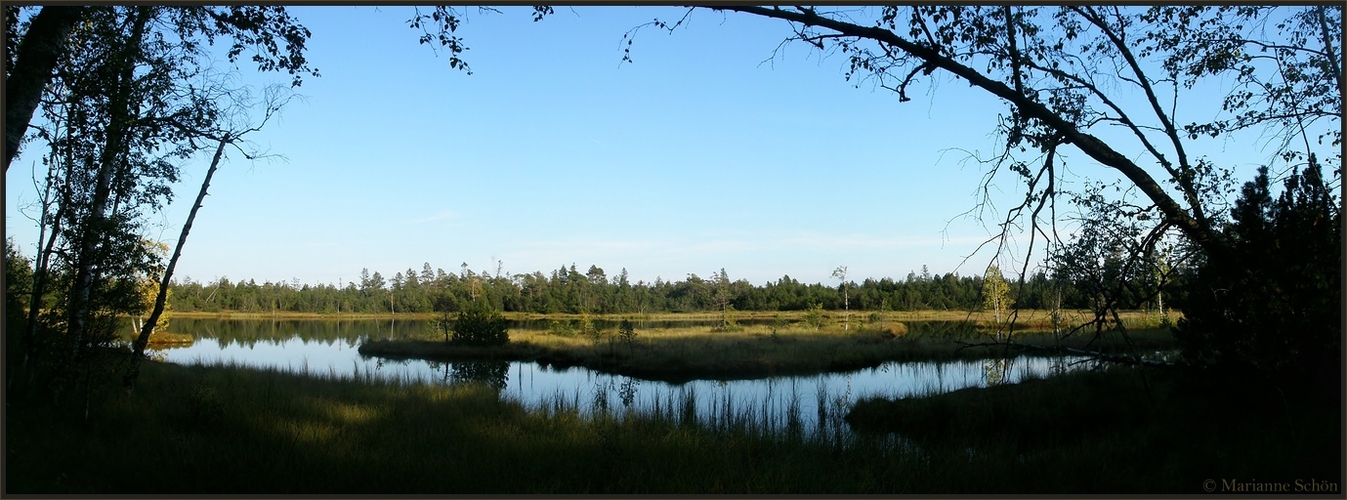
(162,297)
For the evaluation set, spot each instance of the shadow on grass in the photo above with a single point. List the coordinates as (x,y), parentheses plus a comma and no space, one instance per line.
(1175,428)
(758,352)
(233,430)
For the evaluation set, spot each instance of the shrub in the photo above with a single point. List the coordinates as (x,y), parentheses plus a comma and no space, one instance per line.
(480,324)
(1274,303)
(561,329)
(814,316)
(627,333)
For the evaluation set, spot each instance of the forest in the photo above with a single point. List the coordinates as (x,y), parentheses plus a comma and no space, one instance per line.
(567,290)
(1127,204)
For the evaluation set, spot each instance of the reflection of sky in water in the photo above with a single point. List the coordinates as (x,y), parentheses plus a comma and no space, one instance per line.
(769,400)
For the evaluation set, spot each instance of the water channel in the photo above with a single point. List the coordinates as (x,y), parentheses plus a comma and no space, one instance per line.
(329,349)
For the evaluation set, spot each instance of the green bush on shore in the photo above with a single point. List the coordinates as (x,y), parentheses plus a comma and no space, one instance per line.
(480,325)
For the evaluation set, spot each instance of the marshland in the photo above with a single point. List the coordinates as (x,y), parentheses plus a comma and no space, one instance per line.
(1106,260)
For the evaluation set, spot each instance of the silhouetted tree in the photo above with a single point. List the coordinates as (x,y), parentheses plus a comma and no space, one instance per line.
(1275,304)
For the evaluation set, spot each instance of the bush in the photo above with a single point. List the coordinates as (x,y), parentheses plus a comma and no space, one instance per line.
(1272,304)
(481,325)
(814,316)
(627,332)
(561,329)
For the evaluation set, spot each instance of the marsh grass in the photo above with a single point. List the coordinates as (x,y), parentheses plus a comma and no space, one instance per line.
(228,429)
(164,338)
(1026,315)
(778,348)
(1120,430)
(236,430)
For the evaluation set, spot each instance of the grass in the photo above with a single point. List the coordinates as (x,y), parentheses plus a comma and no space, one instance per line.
(1111,428)
(764,350)
(166,338)
(1039,317)
(233,430)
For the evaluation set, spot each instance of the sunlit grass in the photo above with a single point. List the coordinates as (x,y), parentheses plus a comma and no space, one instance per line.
(227,429)
(1027,315)
(163,338)
(776,348)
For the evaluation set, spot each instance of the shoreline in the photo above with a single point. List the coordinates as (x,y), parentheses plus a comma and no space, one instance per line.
(1027,317)
(681,355)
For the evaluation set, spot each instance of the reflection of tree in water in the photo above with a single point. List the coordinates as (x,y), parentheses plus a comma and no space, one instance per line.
(628,391)
(1058,366)
(997,371)
(249,332)
(493,374)
(601,389)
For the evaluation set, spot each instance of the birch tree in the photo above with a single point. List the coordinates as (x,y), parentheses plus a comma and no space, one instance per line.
(1070,76)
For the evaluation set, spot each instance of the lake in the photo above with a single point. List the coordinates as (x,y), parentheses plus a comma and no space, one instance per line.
(811,403)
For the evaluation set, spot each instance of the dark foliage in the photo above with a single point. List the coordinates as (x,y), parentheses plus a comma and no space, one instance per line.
(481,325)
(1274,304)
(566,290)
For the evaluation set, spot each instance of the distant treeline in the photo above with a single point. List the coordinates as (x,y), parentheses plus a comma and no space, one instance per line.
(567,290)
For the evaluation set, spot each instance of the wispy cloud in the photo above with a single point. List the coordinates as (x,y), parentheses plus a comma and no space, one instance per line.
(862,241)
(442,215)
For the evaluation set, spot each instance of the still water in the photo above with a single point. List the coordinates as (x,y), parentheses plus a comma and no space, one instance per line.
(329,348)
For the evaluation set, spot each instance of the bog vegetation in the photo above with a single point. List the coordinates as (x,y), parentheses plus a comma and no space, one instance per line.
(567,290)
(113,100)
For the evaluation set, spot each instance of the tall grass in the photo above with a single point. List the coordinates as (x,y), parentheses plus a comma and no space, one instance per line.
(233,430)
(763,350)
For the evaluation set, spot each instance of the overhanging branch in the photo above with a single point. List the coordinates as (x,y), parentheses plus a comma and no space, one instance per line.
(1200,232)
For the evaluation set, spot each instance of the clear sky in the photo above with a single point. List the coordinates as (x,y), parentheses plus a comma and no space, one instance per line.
(698,156)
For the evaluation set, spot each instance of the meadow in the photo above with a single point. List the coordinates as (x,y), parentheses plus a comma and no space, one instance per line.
(767,345)
(230,429)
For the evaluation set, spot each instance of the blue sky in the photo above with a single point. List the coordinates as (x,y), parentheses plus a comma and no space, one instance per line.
(698,156)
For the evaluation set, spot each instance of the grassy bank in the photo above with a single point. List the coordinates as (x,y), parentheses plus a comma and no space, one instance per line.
(1134,431)
(1027,318)
(231,430)
(755,351)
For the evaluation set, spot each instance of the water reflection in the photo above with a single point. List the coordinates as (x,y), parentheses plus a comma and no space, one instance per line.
(494,374)
(802,405)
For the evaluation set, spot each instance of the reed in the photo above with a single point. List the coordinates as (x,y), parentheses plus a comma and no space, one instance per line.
(227,429)
(757,350)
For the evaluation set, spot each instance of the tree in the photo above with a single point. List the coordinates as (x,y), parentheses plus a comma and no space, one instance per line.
(1034,63)
(231,135)
(1067,73)
(1273,306)
(814,316)
(45,38)
(480,325)
(722,295)
(995,292)
(129,102)
(1113,261)
(1050,64)
(841,274)
(31,64)
(147,291)
(18,283)
(627,333)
